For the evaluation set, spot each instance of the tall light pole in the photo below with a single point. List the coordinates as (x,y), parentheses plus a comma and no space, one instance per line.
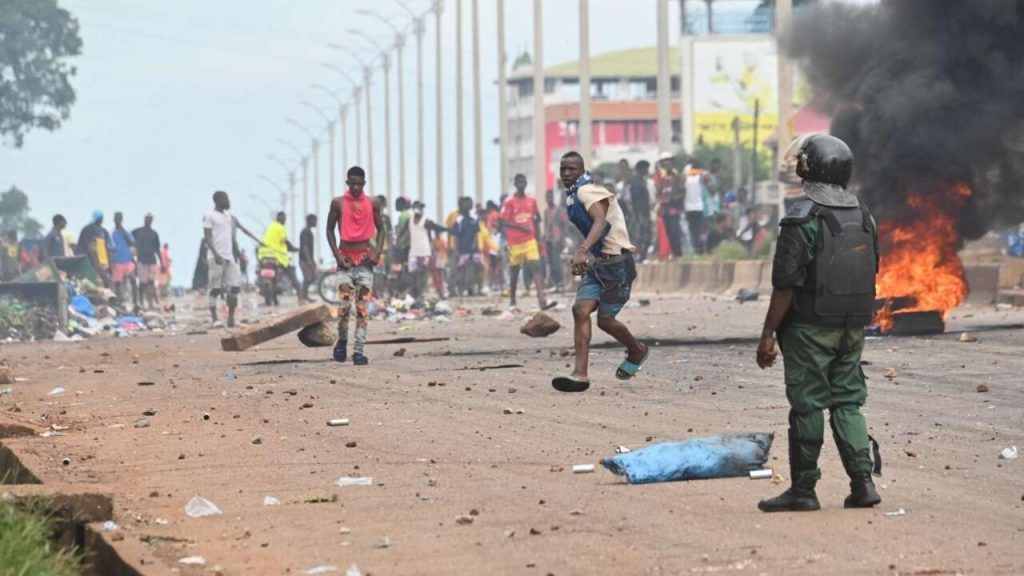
(386,65)
(540,172)
(291,186)
(783,17)
(664,82)
(342,132)
(344,111)
(418,30)
(316,165)
(477,115)
(460,166)
(399,72)
(585,131)
(305,176)
(330,147)
(502,101)
(368,76)
(439,130)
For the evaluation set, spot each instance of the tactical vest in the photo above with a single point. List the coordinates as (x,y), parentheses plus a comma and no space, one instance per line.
(839,289)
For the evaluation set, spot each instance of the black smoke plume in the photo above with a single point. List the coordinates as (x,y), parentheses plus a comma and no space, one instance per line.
(924,92)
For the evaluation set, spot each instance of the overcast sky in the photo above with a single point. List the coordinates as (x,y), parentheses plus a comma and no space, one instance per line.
(178,98)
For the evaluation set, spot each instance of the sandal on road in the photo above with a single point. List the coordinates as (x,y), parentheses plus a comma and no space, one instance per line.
(569,384)
(628,368)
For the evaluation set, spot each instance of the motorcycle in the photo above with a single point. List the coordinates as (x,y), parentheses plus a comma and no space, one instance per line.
(272,281)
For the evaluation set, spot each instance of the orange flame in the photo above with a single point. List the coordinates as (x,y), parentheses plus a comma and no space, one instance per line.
(919,257)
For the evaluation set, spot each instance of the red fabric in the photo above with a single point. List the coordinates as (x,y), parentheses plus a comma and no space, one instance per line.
(522,211)
(664,246)
(357,223)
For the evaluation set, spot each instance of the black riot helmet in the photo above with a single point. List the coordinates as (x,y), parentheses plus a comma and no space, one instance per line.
(825,163)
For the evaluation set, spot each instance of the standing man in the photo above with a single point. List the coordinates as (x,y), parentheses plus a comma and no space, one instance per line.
(469,266)
(123,269)
(359,221)
(307,256)
(823,281)
(696,205)
(276,246)
(520,221)
(670,202)
(605,261)
(53,243)
(640,200)
(94,242)
(225,276)
(555,222)
(421,251)
(147,249)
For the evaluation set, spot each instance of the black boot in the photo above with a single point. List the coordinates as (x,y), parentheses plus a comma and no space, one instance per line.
(862,492)
(792,500)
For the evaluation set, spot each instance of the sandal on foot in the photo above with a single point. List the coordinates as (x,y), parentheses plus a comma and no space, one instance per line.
(628,368)
(569,384)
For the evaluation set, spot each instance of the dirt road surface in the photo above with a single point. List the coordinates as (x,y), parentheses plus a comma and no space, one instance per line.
(429,427)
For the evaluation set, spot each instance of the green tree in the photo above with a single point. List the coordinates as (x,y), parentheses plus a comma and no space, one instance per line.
(37,38)
(14,214)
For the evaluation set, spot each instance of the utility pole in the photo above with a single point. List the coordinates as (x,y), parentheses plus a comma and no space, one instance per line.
(369,129)
(316,186)
(399,46)
(387,128)
(291,197)
(686,91)
(664,82)
(344,141)
(477,116)
(540,162)
(783,18)
(420,180)
(585,130)
(359,128)
(305,185)
(439,129)
(460,166)
(502,101)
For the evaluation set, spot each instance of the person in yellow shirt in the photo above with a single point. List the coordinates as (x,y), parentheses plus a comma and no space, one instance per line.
(276,246)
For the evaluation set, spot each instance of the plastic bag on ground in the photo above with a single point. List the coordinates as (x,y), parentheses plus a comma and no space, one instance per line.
(199,507)
(722,456)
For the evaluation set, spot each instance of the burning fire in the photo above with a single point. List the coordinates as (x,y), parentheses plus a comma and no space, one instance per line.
(919,261)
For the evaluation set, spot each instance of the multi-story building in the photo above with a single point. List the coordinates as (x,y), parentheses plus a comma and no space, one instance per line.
(624,110)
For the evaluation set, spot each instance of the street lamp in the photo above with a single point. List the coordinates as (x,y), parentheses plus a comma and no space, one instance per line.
(344,109)
(291,181)
(305,173)
(368,75)
(386,65)
(399,48)
(330,142)
(418,30)
(316,167)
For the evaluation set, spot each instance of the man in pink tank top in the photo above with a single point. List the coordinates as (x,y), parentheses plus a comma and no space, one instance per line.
(361,227)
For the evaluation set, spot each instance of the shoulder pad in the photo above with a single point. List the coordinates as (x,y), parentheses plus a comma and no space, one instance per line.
(801,211)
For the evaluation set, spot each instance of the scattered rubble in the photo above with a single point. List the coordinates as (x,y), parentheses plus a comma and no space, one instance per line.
(540,326)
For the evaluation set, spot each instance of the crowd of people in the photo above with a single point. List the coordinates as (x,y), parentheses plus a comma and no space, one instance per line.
(132,263)
(498,247)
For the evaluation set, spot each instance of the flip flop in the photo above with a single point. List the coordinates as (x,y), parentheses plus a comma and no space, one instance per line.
(568,384)
(548,306)
(628,369)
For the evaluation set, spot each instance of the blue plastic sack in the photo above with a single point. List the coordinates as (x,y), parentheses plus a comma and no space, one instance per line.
(722,456)
(83,306)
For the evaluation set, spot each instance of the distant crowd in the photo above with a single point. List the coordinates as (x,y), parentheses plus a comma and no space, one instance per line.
(134,264)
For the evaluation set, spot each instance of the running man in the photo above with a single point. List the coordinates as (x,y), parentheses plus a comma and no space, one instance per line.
(520,220)
(605,261)
(359,221)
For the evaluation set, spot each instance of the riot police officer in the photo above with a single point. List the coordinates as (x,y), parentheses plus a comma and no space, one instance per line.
(823,281)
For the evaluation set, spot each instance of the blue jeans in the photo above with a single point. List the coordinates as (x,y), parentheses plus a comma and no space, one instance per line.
(609,283)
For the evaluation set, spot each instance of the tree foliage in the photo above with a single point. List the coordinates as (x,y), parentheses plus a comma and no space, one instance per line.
(37,39)
(14,214)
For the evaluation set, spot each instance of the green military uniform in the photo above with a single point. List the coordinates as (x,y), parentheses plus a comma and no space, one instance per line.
(821,356)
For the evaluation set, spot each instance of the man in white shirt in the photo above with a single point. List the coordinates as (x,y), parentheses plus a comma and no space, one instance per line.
(225,275)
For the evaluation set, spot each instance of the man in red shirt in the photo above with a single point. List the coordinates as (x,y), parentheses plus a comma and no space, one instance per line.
(520,220)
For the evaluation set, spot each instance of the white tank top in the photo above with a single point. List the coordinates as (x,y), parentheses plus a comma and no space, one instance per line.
(419,239)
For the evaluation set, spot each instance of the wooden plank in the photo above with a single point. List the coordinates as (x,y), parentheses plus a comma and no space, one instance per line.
(276,327)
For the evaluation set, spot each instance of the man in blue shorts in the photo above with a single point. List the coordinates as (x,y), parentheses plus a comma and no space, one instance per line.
(604,259)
